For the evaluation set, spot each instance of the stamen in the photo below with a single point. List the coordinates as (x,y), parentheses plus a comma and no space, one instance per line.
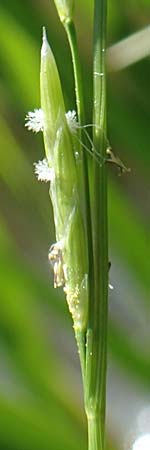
(56,259)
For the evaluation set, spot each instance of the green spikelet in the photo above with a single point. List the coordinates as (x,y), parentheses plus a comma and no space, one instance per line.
(68,255)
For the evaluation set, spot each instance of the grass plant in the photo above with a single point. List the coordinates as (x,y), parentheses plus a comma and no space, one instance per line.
(78,192)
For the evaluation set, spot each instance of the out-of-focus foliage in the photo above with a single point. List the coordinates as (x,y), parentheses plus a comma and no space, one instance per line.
(40,390)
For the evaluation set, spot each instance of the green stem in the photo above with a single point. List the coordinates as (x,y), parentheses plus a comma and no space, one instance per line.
(96,394)
(94,433)
(80,338)
(71,34)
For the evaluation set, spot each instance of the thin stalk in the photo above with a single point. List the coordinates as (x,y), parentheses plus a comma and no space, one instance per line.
(71,34)
(96,372)
(80,338)
(94,433)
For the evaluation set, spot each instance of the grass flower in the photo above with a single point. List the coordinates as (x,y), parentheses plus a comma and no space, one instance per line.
(69,260)
(55,257)
(43,171)
(34,120)
(79,256)
(71,117)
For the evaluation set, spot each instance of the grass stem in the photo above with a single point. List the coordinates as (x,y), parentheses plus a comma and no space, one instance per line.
(98,321)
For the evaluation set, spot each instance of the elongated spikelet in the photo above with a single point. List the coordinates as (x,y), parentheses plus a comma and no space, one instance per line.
(68,256)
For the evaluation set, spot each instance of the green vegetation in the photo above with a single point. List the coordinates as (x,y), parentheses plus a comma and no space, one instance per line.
(40,391)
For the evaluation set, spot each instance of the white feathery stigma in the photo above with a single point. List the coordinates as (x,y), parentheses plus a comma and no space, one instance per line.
(34,120)
(73,124)
(43,171)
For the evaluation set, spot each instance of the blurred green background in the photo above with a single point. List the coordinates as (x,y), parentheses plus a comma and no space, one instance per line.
(41,404)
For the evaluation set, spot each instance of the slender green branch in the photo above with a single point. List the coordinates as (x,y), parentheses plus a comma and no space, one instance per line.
(80,339)
(71,34)
(95,401)
(94,433)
